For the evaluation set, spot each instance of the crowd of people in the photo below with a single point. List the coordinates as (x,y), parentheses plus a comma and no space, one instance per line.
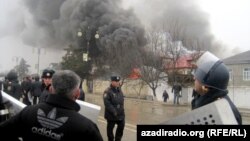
(55,116)
(31,90)
(53,108)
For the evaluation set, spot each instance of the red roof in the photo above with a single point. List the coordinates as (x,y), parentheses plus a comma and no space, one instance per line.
(135,74)
(182,63)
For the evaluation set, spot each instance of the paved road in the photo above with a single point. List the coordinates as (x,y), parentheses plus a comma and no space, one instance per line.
(144,112)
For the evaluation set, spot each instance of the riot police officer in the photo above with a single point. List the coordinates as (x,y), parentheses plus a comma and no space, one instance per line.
(13,87)
(114,109)
(211,80)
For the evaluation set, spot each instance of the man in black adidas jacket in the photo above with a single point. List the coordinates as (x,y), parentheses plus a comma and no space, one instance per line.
(55,119)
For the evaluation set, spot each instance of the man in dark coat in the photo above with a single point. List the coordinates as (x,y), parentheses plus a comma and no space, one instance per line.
(26,86)
(114,109)
(13,88)
(211,81)
(165,96)
(176,89)
(55,119)
(36,89)
(82,93)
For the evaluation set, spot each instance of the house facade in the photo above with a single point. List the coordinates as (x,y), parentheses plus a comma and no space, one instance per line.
(239,69)
(239,82)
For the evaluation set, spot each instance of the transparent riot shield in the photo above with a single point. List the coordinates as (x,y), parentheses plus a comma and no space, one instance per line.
(216,113)
(91,111)
(13,105)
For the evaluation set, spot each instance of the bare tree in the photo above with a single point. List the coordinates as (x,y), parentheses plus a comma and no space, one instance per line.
(178,44)
(151,61)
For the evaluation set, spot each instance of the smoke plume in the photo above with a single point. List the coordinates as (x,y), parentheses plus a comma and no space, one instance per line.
(59,21)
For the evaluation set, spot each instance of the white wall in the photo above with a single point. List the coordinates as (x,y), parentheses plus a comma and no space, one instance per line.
(239,95)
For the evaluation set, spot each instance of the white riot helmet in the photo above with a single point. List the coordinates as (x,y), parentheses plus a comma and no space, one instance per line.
(212,72)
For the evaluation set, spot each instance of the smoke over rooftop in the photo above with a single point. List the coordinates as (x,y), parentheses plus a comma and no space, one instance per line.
(58,22)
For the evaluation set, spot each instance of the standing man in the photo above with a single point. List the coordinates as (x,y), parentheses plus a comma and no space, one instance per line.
(26,86)
(114,109)
(176,89)
(36,89)
(55,119)
(13,88)
(165,96)
(46,84)
(82,94)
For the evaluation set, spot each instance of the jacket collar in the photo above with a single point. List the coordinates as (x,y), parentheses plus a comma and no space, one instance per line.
(59,101)
(209,97)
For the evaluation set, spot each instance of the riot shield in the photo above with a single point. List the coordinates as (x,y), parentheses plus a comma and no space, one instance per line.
(91,111)
(215,113)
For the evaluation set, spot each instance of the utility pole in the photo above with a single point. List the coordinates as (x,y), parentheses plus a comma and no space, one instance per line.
(38,59)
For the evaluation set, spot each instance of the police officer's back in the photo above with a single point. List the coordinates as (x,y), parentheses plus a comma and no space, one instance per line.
(36,89)
(13,87)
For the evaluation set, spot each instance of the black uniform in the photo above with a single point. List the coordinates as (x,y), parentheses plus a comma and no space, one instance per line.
(36,90)
(212,96)
(12,86)
(26,86)
(47,74)
(45,93)
(114,112)
(14,89)
(55,119)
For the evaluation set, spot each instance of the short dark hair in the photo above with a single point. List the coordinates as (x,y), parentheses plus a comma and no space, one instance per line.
(65,82)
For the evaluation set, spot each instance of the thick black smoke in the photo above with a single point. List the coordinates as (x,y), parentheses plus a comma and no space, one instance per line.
(184,18)
(60,20)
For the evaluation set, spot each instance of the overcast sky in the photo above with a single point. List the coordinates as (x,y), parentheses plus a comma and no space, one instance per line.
(229,21)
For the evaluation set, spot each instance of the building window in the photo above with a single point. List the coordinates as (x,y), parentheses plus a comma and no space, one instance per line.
(246,74)
(230,74)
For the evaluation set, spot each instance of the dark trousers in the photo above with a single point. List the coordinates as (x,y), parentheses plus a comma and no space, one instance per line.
(26,99)
(35,99)
(119,130)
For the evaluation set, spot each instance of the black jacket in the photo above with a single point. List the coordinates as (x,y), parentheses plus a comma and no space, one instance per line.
(55,119)
(176,89)
(114,104)
(14,89)
(36,88)
(212,96)
(45,93)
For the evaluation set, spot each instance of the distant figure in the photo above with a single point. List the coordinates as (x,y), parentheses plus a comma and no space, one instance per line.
(194,93)
(82,94)
(176,89)
(165,96)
